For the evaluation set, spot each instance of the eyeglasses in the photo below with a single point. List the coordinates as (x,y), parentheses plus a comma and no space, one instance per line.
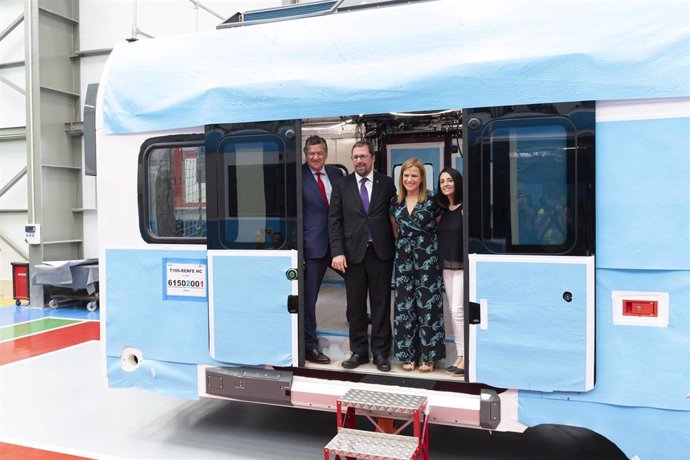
(360,157)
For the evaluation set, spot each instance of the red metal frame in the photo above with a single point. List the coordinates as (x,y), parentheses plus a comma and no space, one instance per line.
(420,425)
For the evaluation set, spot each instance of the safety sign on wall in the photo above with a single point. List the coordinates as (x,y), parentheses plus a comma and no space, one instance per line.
(184,279)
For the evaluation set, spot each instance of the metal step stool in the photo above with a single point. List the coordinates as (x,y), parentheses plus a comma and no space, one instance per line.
(372,446)
(353,443)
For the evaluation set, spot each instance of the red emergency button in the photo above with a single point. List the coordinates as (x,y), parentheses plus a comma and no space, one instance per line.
(640,308)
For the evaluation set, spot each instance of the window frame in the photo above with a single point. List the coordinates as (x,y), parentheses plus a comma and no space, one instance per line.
(143,196)
(501,201)
(222,227)
(578,189)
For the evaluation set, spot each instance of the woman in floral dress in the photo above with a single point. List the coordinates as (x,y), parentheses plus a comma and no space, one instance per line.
(419,335)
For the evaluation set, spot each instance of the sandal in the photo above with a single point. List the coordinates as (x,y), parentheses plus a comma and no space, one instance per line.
(409,366)
(426,366)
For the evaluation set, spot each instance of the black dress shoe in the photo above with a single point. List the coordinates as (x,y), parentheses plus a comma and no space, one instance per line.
(355,361)
(315,356)
(382,363)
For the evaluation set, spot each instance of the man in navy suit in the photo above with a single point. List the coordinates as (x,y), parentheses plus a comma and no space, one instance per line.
(362,247)
(317,184)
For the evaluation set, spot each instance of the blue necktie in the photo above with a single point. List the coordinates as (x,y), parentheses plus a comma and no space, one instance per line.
(364,194)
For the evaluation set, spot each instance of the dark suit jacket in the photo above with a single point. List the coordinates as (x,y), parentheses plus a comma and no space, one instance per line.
(348,223)
(315,212)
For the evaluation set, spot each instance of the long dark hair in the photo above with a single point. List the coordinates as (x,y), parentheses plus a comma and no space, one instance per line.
(441,199)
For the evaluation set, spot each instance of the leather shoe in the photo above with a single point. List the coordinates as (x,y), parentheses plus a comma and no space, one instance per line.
(355,361)
(382,363)
(315,356)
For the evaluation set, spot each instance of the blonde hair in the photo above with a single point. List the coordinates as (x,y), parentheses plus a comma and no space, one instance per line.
(402,192)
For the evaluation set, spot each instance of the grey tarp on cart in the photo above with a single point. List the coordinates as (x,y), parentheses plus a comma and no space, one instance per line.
(75,274)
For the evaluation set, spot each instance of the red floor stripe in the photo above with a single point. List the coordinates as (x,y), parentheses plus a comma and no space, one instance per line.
(14,452)
(27,347)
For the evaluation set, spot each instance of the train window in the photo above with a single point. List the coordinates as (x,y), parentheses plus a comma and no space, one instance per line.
(529,193)
(173,191)
(254,214)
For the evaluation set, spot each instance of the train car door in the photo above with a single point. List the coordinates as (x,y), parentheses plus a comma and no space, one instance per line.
(529,197)
(252,241)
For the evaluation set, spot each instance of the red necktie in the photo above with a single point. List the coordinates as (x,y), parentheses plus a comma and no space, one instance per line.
(322,187)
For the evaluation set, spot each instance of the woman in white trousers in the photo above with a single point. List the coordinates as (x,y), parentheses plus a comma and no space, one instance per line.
(450,247)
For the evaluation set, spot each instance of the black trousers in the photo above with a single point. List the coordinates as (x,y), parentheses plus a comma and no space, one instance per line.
(372,277)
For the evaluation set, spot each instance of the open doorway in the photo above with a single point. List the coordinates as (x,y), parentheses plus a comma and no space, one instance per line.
(433,137)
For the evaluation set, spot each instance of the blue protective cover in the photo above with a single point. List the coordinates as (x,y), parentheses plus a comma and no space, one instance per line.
(139,315)
(250,321)
(643,194)
(640,366)
(534,339)
(425,56)
(172,379)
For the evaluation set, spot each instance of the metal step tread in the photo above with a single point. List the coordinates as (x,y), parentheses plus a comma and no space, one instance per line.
(380,401)
(371,445)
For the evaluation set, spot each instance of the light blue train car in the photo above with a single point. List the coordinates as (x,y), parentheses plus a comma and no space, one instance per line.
(571,124)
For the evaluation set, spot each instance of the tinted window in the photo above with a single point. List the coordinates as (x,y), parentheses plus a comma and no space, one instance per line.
(528,170)
(255,182)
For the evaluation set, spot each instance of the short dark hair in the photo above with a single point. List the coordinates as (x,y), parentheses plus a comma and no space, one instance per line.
(363,143)
(315,140)
(441,199)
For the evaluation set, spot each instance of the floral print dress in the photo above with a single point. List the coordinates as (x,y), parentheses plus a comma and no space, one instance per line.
(418,306)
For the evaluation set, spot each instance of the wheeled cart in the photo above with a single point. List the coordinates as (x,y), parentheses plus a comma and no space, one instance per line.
(69,281)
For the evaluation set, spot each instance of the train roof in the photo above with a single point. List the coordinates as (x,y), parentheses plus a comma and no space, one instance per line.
(419,56)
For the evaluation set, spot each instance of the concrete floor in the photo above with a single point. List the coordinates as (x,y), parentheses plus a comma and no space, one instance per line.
(59,402)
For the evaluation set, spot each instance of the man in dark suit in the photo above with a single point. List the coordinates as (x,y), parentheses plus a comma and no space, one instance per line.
(317,184)
(362,247)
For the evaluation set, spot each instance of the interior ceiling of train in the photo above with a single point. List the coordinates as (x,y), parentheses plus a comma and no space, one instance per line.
(389,124)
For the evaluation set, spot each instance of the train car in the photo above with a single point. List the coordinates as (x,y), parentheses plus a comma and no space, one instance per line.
(575,111)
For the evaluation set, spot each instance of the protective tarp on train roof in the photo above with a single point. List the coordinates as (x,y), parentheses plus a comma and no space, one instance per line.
(422,56)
